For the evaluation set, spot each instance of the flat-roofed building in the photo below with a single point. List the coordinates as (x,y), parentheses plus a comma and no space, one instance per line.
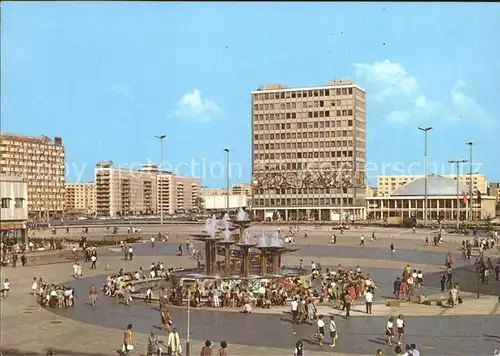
(122,192)
(305,142)
(80,199)
(14,208)
(40,162)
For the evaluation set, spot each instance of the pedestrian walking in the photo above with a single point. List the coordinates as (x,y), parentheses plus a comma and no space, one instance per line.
(128,344)
(93,295)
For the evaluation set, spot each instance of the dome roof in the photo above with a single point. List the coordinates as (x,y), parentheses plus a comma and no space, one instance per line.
(436,185)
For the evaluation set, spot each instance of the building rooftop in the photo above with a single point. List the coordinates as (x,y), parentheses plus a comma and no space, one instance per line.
(334,84)
(436,186)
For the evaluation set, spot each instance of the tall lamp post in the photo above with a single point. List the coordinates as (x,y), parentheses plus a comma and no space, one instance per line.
(458,163)
(471,194)
(160,168)
(426,176)
(227,150)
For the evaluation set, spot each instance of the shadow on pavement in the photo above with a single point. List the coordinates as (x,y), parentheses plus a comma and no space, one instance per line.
(55,352)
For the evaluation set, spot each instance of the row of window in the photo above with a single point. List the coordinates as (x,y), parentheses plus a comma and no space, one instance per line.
(308,114)
(7,203)
(299,191)
(261,158)
(294,145)
(302,202)
(303,155)
(303,94)
(304,135)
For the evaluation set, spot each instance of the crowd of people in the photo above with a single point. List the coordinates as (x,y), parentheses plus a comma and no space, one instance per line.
(51,294)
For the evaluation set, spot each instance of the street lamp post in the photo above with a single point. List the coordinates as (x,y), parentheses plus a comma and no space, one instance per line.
(471,194)
(227,150)
(458,163)
(426,176)
(160,168)
(188,336)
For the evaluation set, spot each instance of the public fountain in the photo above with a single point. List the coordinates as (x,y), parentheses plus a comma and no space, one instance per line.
(239,251)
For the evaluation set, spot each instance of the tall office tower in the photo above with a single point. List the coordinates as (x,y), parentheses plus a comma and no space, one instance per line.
(309,152)
(40,162)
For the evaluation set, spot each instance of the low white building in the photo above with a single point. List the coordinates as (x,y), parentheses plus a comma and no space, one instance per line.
(14,207)
(219,202)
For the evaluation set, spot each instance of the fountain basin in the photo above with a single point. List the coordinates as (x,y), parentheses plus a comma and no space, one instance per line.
(198,275)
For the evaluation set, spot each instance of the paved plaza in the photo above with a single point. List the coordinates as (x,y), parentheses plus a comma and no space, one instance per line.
(471,329)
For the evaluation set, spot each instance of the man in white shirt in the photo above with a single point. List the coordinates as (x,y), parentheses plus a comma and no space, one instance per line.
(333,331)
(295,310)
(369,301)
(153,241)
(362,241)
(414,351)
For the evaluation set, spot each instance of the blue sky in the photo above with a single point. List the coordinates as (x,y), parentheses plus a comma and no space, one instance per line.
(107,77)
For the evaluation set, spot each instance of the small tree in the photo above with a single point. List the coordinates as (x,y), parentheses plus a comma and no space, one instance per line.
(200,204)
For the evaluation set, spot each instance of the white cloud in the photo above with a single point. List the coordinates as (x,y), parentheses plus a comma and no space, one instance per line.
(121,89)
(466,105)
(390,83)
(193,106)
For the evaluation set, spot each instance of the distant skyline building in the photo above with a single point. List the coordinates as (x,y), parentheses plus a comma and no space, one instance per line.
(122,192)
(40,161)
(388,184)
(80,199)
(309,152)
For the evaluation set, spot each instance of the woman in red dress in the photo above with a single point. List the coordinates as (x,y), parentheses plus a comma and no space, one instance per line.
(165,319)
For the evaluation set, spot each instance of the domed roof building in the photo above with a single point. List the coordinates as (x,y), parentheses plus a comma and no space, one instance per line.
(436,186)
(443,202)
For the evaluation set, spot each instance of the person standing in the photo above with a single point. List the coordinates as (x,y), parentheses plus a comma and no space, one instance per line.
(93,295)
(299,349)
(320,330)
(165,319)
(6,288)
(347,305)
(442,281)
(369,301)
(174,343)
(152,242)
(400,325)
(333,331)
(362,240)
(389,330)
(130,253)
(127,340)
(397,288)
(153,345)
(392,248)
(223,349)
(93,258)
(295,310)
(207,349)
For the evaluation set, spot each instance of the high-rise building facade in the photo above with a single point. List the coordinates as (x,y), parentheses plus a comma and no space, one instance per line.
(386,185)
(40,162)
(309,152)
(122,192)
(80,199)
